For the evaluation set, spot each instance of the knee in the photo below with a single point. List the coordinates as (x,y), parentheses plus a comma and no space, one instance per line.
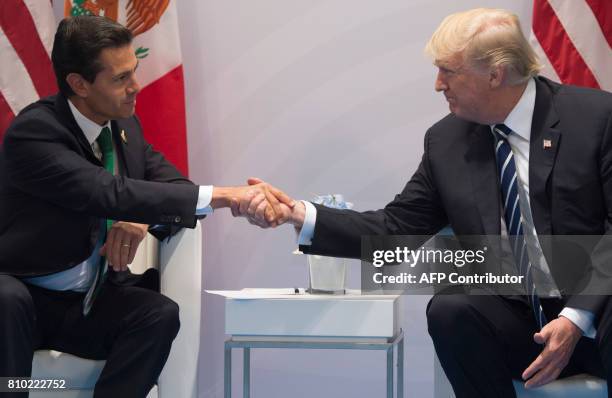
(167,317)
(447,317)
(14,297)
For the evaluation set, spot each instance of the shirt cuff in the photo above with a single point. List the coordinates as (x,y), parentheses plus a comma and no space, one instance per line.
(581,318)
(204,198)
(310,218)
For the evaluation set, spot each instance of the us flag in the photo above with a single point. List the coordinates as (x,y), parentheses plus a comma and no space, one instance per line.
(27,28)
(573,39)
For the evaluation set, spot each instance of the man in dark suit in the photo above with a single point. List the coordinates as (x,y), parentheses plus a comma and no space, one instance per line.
(69,164)
(518,156)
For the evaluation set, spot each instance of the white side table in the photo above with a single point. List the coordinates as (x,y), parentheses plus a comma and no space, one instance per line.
(281,318)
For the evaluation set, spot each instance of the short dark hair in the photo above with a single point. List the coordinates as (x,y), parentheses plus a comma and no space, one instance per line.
(78,43)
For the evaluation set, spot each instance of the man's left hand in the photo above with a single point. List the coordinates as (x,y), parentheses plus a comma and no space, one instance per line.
(122,242)
(559,337)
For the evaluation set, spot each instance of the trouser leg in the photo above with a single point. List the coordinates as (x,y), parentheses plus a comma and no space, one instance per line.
(141,349)
(132,328)
(482,342)
(17,330)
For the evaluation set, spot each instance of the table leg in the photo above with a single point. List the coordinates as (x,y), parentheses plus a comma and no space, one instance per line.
(400,369)
(246,373)
(390,372)
(227,372)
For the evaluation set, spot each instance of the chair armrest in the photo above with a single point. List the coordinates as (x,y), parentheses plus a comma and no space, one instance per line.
(180,268)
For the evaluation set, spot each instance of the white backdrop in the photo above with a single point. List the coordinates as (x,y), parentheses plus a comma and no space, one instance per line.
(316,97)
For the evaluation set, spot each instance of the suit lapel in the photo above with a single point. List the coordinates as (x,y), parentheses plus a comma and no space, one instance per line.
(544,144)
(120,137)
(480,158)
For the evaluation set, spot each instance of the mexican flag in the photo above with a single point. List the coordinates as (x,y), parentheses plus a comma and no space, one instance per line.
(160,105)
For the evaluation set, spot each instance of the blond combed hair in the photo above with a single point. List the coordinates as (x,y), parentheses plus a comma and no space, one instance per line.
(486,38)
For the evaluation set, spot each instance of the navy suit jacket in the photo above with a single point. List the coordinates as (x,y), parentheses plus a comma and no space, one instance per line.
(53,190)
(456,183)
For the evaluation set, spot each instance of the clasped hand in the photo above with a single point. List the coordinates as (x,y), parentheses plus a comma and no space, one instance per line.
(258,209)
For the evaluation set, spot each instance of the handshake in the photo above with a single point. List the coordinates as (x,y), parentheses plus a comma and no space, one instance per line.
(261,203)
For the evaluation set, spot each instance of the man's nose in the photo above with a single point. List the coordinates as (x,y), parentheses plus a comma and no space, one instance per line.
(440,84)
(134,88)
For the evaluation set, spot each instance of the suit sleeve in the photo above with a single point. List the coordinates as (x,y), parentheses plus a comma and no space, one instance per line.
(417,210)
(43,160)
(158,168)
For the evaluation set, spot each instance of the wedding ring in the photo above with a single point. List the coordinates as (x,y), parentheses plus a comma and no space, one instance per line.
(125,245)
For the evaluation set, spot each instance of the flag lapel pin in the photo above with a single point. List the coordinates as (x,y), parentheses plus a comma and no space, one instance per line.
(124,137)
(547,144)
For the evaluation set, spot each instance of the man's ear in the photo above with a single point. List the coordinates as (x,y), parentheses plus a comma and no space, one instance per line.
(78,84)
(497,75)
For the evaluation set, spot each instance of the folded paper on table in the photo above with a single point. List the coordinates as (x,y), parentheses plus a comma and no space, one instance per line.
(289,293)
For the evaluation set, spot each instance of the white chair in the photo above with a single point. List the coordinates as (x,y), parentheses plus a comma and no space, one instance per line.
(180,263)
(579,386)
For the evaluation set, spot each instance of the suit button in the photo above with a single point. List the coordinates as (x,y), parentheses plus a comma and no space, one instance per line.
(177,219)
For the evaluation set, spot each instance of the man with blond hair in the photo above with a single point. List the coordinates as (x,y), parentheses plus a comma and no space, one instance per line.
(520,157)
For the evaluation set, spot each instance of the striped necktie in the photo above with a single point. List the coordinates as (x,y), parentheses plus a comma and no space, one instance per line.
(513,217)
(105,141)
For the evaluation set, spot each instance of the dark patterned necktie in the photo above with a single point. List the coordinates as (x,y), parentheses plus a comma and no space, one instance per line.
(105,142)
(513,218)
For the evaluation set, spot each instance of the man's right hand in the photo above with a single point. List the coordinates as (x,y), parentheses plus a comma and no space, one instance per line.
(254,207)
(276,205)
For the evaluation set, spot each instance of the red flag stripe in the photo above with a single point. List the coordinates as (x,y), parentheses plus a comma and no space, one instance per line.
(6,116)
(602,9)
(18,26)
(44,21)
(559,49)
(166,130)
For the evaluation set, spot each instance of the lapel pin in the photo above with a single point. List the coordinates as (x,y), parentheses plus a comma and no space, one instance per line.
(124,138)
(547,144)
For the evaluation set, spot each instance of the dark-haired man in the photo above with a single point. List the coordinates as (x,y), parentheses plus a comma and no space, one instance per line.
(68,165)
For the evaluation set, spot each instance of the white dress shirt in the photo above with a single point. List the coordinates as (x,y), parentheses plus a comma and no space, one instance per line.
(519,121)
